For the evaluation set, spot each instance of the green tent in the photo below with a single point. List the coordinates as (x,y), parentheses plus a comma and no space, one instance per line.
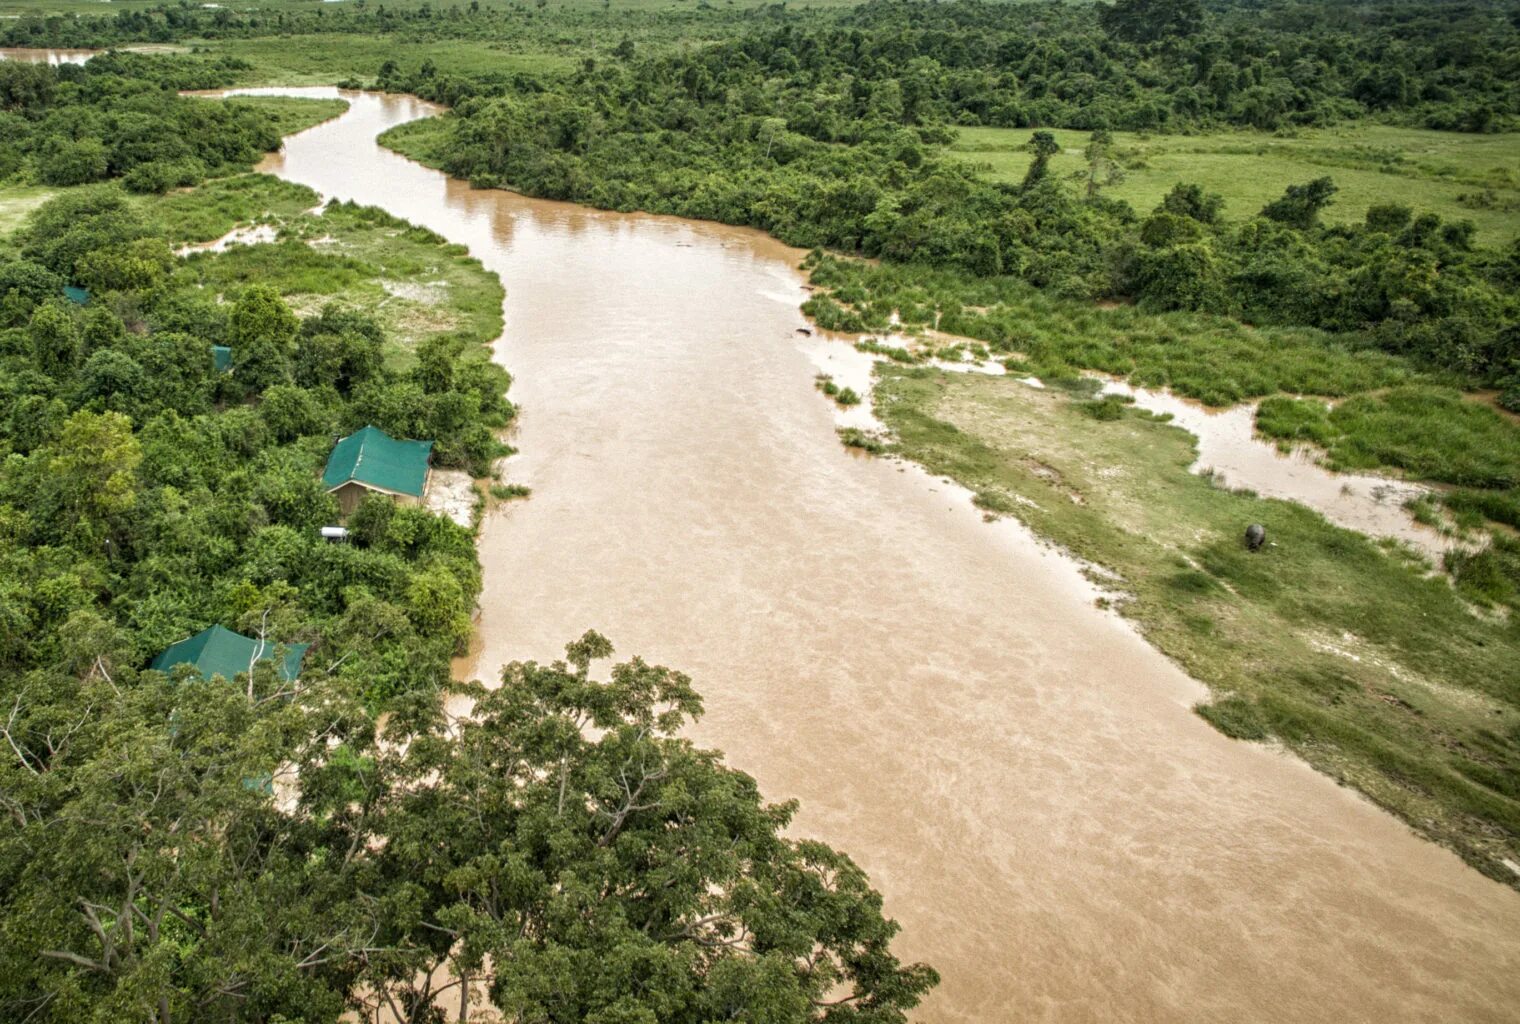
(75,294)
(221,652)
(373,458)
(221,358)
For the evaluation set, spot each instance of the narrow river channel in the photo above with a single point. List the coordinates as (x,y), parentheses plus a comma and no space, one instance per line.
(1018,771)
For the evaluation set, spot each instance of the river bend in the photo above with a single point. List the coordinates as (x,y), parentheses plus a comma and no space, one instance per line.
(1018,771)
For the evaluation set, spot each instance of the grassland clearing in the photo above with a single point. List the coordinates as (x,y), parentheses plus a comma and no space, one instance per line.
(413,282)
(16,201)
(331,58)
(1456,175)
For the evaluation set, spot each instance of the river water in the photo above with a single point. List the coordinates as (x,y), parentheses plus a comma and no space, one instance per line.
(29,56)
(1020,774)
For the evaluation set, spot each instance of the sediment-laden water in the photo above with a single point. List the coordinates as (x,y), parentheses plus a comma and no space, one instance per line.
(1017,770)
(31,56)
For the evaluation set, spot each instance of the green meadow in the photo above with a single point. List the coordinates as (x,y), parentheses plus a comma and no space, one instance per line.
(16,201)
(328,59)
(1476,177)
(414,283)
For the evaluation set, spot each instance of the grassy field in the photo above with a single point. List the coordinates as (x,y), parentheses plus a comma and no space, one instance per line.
(1345,650)
(292,114)
(1426,170)
(412,281)
(16,201)
(425,140)
(214,208)
(327,59)
(1211,358)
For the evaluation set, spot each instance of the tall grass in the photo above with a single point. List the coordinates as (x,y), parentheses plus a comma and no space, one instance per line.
(1214,359)
(1430,432)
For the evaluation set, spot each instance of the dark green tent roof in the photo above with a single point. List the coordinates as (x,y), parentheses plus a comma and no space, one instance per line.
(221,358)
(375,459)
(221,652)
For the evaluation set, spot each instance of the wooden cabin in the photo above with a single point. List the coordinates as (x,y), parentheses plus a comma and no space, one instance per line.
(372,460)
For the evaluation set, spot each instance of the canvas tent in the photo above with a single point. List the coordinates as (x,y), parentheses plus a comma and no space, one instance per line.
(372,460)
(218,651)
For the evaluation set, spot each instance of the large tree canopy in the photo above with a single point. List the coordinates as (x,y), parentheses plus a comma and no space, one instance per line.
(562,848)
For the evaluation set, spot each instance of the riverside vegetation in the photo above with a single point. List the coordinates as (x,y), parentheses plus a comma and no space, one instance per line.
(267,849)
(855,131)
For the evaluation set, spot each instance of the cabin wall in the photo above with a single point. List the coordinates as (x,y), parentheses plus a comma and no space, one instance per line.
(353,492)
(349,496)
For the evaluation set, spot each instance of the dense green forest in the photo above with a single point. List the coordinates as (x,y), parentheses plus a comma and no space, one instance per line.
(262,848)
(153,493)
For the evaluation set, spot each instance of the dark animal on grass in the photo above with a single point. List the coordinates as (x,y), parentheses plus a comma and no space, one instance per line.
(1256,536)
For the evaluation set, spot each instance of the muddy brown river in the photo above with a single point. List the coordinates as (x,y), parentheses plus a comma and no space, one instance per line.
(1020,774)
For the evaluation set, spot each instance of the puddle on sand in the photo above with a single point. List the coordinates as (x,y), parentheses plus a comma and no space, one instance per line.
(1017,770)
(253,234)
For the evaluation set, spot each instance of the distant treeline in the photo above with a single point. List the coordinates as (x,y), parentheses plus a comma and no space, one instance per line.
(831,138)
(118,116)
(1136,64)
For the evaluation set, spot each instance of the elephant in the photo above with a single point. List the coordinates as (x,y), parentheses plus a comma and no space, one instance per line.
(1256,536)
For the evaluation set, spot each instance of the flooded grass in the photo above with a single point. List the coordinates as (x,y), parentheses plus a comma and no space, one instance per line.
(1429,432)
(214,208)
(1345,649)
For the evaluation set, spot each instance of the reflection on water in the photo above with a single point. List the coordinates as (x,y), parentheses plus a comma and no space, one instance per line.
(29,56)
(1016,769)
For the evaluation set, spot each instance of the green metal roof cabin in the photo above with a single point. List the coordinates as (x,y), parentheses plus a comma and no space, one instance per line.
(221,358)
(219,651)
(372,460)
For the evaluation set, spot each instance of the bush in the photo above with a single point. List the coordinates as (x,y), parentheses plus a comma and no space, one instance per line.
(73,162)
(159,176)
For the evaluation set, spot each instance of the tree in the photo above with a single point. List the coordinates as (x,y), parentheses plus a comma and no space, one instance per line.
(261,315)
(567,799)
(146,874)
(74,162)
(54,338)
(1300,205)
(1101,168)
(262,330)
(91,473)
(563,850)
(1044,146)
(1146,21)
(131,266)
(1186,200)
